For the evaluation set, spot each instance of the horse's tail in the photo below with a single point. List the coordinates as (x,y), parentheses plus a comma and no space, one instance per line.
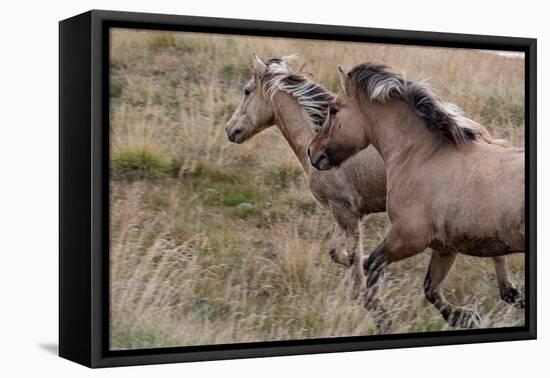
(485,135)
(488,138)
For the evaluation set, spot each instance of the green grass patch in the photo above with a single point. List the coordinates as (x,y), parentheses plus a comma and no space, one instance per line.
(227,188)
(140,163)
(237,195)
(215,174)
(227,194)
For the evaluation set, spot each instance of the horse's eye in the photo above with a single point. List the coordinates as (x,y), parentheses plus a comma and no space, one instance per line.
(246,91)
(332,109)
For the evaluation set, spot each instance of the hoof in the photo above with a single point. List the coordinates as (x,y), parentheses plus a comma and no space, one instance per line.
(514,297)
(464,319)
(339,257)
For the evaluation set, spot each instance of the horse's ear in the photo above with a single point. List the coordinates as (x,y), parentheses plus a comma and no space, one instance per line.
(343,79)
(259,66)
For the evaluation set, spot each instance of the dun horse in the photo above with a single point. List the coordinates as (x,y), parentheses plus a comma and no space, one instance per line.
(445,189)
(277,95)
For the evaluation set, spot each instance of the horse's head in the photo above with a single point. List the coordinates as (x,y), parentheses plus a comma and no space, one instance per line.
(254,112)
(341,135)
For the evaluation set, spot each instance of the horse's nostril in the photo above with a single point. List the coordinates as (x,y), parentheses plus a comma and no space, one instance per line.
(309,153)
(316,161)
(321,161)
(232,134)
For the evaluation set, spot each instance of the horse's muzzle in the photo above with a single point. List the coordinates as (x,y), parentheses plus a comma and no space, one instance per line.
(320,161)
(235,135)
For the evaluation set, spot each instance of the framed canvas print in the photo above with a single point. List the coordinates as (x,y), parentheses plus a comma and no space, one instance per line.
(234,188)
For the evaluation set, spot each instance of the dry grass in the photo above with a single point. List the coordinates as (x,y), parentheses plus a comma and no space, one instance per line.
(220,243)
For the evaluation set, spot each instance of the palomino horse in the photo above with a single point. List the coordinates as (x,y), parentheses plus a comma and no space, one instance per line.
(278,95)
(445,189)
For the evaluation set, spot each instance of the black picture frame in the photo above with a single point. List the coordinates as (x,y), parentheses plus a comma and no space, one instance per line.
(84,187)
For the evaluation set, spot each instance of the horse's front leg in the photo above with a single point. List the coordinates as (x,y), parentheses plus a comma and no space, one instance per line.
(396,246)
(347,235)
(337,251)
(508,292)
(440,265)
(355,258)
(373,267)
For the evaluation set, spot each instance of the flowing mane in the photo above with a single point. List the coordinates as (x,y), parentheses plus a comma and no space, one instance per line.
(376,83)
(312,97)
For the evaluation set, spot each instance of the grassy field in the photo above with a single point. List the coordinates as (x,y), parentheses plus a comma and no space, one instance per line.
(213,242)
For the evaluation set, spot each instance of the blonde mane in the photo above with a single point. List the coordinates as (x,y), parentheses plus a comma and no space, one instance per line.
(376,83)
(312,97)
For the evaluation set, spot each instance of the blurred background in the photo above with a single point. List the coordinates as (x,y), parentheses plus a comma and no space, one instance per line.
(213,242)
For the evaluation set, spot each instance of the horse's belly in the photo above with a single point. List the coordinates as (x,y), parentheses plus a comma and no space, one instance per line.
(477,246)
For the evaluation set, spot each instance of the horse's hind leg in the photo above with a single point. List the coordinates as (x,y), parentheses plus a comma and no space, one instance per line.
(440,265)
(508,292)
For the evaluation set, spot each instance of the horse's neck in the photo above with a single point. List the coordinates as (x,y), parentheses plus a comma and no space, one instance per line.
(290,120)
(399,135)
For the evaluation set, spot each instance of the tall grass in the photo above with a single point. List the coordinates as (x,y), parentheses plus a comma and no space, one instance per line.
(213,242)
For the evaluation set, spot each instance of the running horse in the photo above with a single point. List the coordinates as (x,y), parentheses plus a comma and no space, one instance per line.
(446,188)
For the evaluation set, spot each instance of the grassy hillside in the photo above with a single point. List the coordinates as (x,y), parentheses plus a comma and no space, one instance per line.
(213,242)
